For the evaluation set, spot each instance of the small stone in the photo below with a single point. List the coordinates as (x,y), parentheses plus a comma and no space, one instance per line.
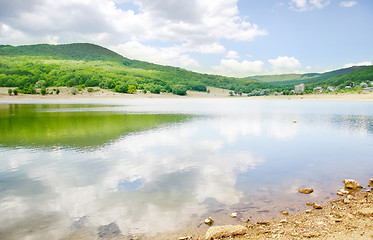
(283,221)
(218,232)
(342,192)
(371,182)
(285,213)
(309,204)
(263,223)
(351,184)
(308,211)
(246,220)
(317,206)
(338,220)
(346,201)
(209,221)
(184,238)
(311,234)
(234,215)
(305,190)
(366,212)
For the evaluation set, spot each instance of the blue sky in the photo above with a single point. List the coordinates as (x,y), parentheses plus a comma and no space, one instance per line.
(228,37)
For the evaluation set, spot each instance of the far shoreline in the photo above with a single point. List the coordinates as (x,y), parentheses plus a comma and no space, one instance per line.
(214,93)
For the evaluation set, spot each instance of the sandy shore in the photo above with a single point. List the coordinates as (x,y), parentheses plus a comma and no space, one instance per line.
(347,217)
(65,93)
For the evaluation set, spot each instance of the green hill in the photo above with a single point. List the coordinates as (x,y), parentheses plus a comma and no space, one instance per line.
(83,64)
(75,51)
(87,65)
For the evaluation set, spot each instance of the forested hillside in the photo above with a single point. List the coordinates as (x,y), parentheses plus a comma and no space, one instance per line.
(88,65)
(83,65)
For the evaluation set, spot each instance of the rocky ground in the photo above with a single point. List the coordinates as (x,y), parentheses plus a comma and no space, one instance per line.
(349,217)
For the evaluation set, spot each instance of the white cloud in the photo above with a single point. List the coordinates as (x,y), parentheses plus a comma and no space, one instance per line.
(203,23)
(348,3)
(284,64)
(232,55)
(307,5)
(234,68)
(367,63)
(165,56)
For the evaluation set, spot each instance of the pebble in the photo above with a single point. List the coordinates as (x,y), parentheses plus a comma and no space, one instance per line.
(311,234)
(309,204)
(308,211)
(234,215)
(351,184)
(263,223)
(342,192)
(285,213)
(209,221)
(371,182)
(367,212)
(317,206)
(305,190)
(283,221)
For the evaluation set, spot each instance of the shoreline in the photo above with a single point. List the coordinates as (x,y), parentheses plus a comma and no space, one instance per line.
(347,217)
(214,93)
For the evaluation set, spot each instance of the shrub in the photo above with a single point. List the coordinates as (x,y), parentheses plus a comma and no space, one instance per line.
(90,90)
(58,91)
(74,91)
(10,91)
(131,89)
(179,90)
(43,91)
(122,88)
(15,92)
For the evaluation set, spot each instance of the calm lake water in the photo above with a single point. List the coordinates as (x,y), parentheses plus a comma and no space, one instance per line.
(142,167)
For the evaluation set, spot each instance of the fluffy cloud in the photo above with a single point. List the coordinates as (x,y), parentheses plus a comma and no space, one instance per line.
(165,56)
(307,5)
(232,67)
(199,22)
(188,25)
(367,63)
(284,64)
(232,55)
(348,3)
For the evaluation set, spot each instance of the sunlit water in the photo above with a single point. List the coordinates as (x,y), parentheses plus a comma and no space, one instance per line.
(149,166)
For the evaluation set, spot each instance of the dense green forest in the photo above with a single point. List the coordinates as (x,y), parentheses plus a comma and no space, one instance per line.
(83,65)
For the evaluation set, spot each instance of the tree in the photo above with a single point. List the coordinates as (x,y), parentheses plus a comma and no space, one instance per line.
(131,89)
(179,90)
(40,84)
(43,91)
(122,88)
(10,91)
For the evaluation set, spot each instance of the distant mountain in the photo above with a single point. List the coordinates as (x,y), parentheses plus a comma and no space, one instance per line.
(307,78)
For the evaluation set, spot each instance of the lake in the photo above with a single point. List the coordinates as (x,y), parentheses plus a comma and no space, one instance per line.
(152,168)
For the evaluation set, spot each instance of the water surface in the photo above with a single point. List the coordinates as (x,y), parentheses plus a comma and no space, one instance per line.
(153,165)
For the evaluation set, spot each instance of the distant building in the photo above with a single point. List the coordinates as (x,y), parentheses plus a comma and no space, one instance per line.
(364,85)
(331,88)
(368,89)
(318,89)
(299,88)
